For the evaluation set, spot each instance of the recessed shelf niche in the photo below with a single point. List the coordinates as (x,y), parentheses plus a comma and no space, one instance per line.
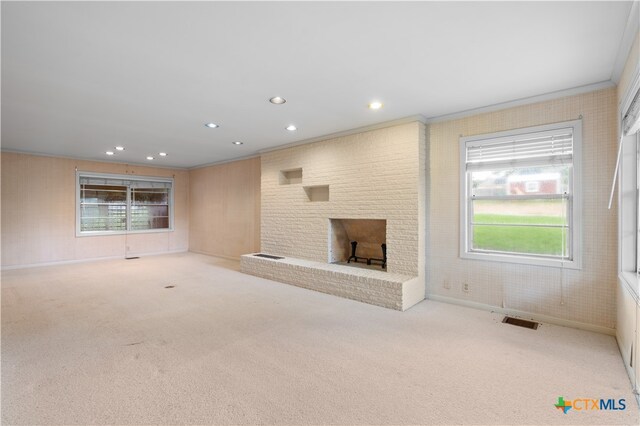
(291,176)
(317,192)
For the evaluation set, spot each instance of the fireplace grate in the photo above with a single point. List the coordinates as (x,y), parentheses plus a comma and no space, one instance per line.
(520,322)
(369,260)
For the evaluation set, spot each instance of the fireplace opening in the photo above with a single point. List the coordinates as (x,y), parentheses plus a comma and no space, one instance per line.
(359,243)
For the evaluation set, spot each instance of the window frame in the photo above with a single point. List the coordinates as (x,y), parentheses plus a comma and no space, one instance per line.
(80,233)
(575,206)
(628,188)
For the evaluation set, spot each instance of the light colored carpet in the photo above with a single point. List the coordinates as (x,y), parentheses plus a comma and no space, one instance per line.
(105,342)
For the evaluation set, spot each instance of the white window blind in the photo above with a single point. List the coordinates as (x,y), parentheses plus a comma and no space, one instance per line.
(631,119)
(132,183)
(541,148)
(629,124)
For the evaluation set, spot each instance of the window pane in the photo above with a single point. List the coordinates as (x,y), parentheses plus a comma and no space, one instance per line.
(543,241)
(150,196)
(103,224)
(521,181)
(523,212)
(103,218)
(149,217)
(103,194)
(103,208)
(149,208)
(521,226)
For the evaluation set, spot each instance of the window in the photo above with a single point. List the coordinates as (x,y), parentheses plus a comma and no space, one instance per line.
(520,195)
(628,184)
(122,203)
(629,212)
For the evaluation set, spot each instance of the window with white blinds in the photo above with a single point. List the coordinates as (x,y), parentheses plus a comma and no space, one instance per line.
(520,195)
(122,203)
(637,194)
(631,118)
(626,183)
(555,147)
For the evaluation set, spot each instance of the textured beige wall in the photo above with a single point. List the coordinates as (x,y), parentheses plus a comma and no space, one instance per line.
(225,209)
(39,218)
(371,175)
(587,295)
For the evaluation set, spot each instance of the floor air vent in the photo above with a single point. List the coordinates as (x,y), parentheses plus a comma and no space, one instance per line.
(131,258)
(268,256)
(520,322)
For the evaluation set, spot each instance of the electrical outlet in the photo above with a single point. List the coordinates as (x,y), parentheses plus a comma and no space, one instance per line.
(446,284)
(466,288)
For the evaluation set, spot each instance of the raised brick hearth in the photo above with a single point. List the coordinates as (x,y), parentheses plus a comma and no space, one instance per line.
(394,291)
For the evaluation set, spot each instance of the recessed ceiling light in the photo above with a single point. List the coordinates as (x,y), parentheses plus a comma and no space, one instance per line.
(291,128)
(119,148)
(237,143)
(277,100)
(211,125)
(109,152)
(162,154)
(375,105)
(149,158)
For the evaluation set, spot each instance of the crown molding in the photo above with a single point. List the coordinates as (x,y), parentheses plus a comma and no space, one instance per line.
(524,101)
(67,157)
(230,160)
(411,119)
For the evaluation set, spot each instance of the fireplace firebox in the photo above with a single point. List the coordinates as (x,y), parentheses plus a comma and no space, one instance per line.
(358,242)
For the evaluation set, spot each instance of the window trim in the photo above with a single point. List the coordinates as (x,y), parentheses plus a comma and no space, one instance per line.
(80,233)
(637,203)
(628,177)
(576,227)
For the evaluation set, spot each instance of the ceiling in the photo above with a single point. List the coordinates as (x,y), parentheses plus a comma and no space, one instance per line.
(79,78)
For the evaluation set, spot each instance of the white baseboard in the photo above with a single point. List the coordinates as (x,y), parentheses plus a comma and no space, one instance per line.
(525,315)
(221,256)
(90,259)
(155,253)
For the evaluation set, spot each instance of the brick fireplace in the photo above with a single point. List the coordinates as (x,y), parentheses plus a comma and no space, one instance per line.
(367,187)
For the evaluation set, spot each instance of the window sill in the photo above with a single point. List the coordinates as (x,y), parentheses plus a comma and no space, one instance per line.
(524,260)
(109,233)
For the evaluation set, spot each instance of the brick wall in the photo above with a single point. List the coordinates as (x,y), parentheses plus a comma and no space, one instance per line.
(371,175)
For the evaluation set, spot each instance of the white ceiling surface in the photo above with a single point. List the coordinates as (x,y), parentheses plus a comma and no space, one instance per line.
(80,78)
